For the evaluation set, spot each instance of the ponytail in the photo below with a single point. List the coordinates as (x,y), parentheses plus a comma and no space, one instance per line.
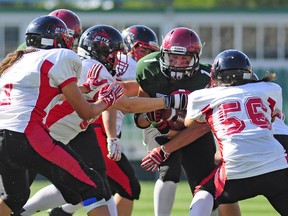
(11,58)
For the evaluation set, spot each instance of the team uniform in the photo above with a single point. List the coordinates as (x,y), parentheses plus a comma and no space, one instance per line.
(67,127)
(253,162)
(89,141)
(29,89)
(197,159)
(280,131)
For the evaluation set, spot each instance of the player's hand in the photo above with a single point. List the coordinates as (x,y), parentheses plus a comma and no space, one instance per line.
(162,126)
(114,149)
(154,158)
(110,93)
(154,116)
(92,83)
(177,100)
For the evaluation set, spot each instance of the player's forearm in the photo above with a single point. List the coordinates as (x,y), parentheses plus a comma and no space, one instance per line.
(109,118)
(139,104)
(186,136)
(131,88)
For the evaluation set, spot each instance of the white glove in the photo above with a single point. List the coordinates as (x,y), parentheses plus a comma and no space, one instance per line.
(114,149)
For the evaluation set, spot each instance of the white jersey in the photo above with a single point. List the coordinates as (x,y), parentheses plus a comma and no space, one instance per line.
(130,74)
(63,121)
(33,85)
(279,127)
(240,119)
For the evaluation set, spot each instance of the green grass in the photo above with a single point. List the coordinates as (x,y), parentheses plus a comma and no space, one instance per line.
(144,206)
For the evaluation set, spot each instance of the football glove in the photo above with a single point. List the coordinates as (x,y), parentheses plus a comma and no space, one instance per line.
(177,100)
(110,93)
(154,158)
(114,149)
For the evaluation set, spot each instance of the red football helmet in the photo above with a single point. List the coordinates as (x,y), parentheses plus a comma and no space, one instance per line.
(73,24)
(180,41)
(140,36)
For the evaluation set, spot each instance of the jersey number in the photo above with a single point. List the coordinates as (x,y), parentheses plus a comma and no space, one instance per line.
(5,95)
(255,110)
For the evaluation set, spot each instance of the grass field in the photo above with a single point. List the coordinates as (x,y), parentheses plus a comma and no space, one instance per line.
(144,206)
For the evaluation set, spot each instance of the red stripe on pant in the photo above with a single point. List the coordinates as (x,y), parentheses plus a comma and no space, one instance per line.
(113,171)
(44,146)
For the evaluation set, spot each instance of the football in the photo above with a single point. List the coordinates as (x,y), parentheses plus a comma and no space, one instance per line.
(174,118)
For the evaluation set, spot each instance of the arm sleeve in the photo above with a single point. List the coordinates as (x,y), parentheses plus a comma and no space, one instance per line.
(67,67)
(198,105)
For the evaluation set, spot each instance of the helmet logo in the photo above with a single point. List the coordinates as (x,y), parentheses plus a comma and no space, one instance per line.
(59,29)
(101,39)
(178,50)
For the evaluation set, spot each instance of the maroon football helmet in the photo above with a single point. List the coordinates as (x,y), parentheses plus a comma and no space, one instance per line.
(72,22)
(180,41)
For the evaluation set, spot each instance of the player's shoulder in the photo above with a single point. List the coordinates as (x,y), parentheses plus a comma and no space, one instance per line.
(205,92)
(273,85)
(61,55)
(150,64)
(151,58)
(259,86)
(205,69)
(87,64)
(90,62)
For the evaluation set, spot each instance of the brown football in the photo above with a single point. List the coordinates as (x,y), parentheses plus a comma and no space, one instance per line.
(174,118)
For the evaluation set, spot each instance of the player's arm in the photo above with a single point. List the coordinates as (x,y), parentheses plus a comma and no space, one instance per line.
(159,154)
(80,105)
(186,136)
(109,118)
(141,119)
(130,87)
(109,121)
(140,104)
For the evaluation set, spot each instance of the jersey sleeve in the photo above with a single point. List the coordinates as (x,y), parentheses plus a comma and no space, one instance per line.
(67,67)
(276,102)
(198,105)
(102,71)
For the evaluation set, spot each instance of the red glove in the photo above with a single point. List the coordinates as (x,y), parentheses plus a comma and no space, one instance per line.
(154,159)
(92,83)
(155,119)
(110,93)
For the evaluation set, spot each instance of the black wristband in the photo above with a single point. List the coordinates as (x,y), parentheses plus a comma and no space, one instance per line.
(136,117)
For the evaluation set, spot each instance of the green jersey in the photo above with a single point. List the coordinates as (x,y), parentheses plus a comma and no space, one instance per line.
(153,81)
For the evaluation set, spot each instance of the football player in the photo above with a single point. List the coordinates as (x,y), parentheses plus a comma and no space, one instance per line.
(240,115)
(175,67)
